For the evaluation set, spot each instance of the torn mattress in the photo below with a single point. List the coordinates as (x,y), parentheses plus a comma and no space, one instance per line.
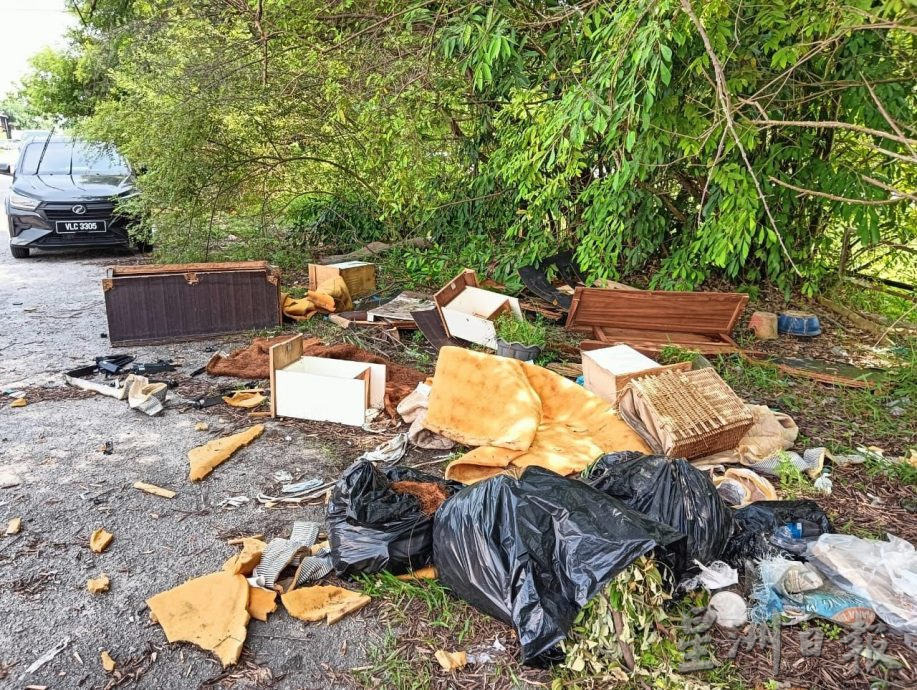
(519,415)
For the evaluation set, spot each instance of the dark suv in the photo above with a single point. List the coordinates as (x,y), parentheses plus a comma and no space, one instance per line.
(64,193)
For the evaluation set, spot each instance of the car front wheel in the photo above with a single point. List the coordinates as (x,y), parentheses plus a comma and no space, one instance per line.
(19,252)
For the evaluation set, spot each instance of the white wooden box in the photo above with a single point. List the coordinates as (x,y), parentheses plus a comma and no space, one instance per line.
(468,312)
(607,370)
(322,389)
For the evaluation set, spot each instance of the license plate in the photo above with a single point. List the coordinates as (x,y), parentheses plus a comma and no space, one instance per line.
(72,226)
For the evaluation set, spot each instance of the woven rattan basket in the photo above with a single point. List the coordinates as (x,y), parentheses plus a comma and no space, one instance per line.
(685,414)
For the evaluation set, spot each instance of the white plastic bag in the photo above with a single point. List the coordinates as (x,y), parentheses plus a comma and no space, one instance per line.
(884,573)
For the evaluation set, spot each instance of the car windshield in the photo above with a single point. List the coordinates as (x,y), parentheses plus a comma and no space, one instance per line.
(71,158)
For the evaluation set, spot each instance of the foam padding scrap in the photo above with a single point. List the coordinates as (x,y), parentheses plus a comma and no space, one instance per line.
(100,540)
(244,562)
(323,602)
(205,458)
(210,612)
(261,602)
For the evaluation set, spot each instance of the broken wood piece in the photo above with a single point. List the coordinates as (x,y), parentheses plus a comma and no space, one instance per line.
(100,540)
(155,490)
(649,320)
(430,323)
(210,612)
(823,371)
(99,584)
(857,320)
(204,459)
(398,310)
(13,526)
(264,414)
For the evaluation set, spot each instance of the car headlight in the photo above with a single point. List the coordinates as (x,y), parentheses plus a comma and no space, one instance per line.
(26,203)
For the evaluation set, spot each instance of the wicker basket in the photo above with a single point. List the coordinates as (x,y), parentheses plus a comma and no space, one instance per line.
(685,414)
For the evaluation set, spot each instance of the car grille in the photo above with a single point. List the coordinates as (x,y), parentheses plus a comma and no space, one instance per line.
(95,210)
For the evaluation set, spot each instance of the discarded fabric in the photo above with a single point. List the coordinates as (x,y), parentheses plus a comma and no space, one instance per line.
(532,551)
(770,433)
(413,410)
(372,528)
(389,452)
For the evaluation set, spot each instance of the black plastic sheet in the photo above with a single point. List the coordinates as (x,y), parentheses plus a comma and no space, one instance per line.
(373,528)
(532,551)
(672,492)
(757,522)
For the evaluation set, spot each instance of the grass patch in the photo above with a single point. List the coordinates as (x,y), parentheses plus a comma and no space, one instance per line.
(523,331)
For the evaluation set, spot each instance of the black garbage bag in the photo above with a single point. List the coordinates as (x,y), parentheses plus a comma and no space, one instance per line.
(757,523)
(532,551)
(672,492)
(373,528)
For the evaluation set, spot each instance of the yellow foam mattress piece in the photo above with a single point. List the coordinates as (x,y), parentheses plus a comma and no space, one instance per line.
(519,415)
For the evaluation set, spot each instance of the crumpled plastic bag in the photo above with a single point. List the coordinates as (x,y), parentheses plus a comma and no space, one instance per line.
(672,492)
(372,528)
(532,551)
(883,573)
(757,523)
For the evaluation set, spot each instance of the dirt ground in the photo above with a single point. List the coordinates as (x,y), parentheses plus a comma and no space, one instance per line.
(53,315)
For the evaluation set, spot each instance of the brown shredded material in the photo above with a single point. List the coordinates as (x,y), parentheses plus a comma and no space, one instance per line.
(252,362)
(430,494)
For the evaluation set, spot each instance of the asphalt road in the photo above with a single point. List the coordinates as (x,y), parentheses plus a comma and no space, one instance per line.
(52,320)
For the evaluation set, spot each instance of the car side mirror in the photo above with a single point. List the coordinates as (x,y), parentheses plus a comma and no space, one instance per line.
(5,169)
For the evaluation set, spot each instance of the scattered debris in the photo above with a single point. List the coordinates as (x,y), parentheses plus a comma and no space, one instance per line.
(245,399)
(234,502)
(201,426)
(331,296)
(100,540)
(398,311)
(244,562)
(764,325)
(204,459)
(729,609)
(209,611)
(99,584)
(261,603)
(389,452)
(323,602)
(48,656)
(451,661)
(19,402)
(145,396)
(8,480)
(282,476)
(302,487)
(155,490)
(13,526)
(107,448)
(107,662)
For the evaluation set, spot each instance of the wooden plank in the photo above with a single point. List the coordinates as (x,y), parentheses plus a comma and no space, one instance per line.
(282,355)
(670,337)
(654,347)
(153,269)
(431,325)
(710,313)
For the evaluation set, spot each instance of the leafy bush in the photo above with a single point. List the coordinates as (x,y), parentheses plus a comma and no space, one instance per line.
(514,330)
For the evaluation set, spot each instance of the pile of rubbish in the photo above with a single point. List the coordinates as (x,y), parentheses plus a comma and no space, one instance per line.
(561,487)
